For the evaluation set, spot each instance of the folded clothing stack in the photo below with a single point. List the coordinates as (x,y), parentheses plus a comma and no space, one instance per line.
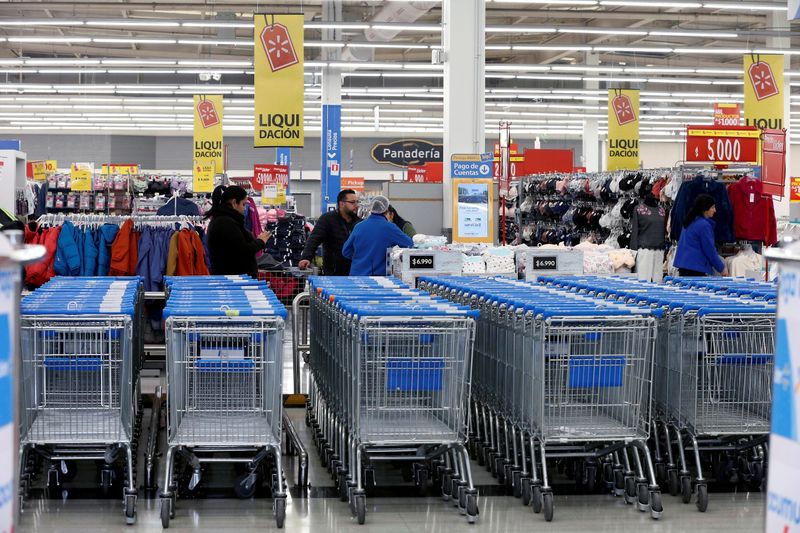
(287,240)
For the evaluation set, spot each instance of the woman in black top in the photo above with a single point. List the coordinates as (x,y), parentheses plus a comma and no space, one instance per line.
(231,247)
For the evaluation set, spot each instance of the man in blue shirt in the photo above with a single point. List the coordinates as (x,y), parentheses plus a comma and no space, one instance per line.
(370,239)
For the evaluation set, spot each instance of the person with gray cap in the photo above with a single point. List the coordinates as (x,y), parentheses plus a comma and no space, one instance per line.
(366,247)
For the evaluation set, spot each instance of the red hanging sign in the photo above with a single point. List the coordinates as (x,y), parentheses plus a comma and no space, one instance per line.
(727,114)
(722,145)
(270,175)
(623,109)
(763,80)
(432,172)
(773,162)
(207,113)
(278,46)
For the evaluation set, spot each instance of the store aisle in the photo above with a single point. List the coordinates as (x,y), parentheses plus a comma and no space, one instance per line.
(731,513)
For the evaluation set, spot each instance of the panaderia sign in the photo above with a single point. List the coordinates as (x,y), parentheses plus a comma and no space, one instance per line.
(408,152)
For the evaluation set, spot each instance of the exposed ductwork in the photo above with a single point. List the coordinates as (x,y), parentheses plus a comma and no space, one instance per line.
(400,12)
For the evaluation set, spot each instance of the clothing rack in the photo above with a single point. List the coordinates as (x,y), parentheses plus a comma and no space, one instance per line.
(92,220)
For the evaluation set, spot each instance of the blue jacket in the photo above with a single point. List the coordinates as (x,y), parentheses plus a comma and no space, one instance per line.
(89,266)
(696,250)
(368,243)
(689,191)
(69,251)
(178,206)
(108,232)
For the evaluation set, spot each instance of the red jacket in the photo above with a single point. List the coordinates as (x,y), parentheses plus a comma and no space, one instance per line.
(191,255)
(40,273)
(753,212)
(124,251)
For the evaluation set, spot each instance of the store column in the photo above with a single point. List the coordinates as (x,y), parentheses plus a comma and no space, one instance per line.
(778,22)
(463,45)
(591,135)
(331,135)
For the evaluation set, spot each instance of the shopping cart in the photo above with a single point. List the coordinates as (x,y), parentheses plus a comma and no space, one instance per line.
(715,364)
(224,374)
(286,282)
(566,375)
(390,382)
(79,387)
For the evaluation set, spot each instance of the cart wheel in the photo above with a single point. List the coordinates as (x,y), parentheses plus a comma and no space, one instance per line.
(54,486)
(472,507)
(516,482)
(245,486)
(757,469)
(342,485)
(361,507)
(547,505)
(643,497)
(462,498)
(630,490)
(591,478)
(608,475)
(280,512)
(536,499)
(686,489)
(479,451)
(422,481)
(165,512)
(619,483)
(526,491)
(106,481)
(702,497)
(661,472)
(656,509)
(446,484)
(369,480)
(130,509)
(173,499)
(68,470)
(673,482)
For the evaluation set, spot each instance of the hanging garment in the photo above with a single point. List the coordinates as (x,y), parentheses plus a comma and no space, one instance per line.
(179,206)
(650,265)
(144,250)
(40,273)
(648,227)
(191,256)
(107,235)
(91,240)
(753,213)
(68,251)
(688,193)
(172,255)
(124,251)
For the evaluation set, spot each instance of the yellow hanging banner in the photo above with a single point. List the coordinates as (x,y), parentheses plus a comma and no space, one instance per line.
(623,129)
(50,166)
(208,143)
(38,168)
(203,176)
(763,91)
(81,176)
(278,61)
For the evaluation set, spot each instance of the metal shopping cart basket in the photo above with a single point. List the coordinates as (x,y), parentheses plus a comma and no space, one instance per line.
(79,388)
(224,351)
(391,373)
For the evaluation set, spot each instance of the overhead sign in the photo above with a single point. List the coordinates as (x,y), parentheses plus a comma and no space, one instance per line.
(428,173)
(773,162)
(331,171)
(473,211)
(124,170)
(722,145)
(36,170)
(208,143)
(356,184)
(794,190)
(81,176)
(763,91)
(264,175)
(407,152)
(203,172)
(283,156)
(279,90)
(623,129)
(727,114)
(471,165)
(51,166)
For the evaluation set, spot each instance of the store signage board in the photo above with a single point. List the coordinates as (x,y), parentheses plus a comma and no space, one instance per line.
(283,156)
(794,190)
(208,145)
(428,173)
(783,498)
(51,166)
(473,211)
(356,184)
(269,175)
(123,170)
(763,91)
(727,114)
(773,162)
(279,90)
(81,176)
(421,262)
(36,170)
(331,170)
(623,129)
(545,262)
(407,152)
(203,172)
(722,145)
(471,165)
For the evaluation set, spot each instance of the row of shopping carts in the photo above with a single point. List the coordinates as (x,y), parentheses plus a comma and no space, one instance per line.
(79,388)
(562,376)
(714,363)
(390,381)
(224,376)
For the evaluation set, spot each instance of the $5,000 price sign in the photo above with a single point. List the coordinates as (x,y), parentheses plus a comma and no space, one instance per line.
(722,145)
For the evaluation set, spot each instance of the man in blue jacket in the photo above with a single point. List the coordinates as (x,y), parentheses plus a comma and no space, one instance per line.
(370,239)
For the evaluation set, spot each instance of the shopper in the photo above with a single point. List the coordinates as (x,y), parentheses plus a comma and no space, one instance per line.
(231,246)
(331,231)
(404,225)
(697,255)
(369,241)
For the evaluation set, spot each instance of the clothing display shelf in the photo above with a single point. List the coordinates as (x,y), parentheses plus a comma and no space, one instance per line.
(570,208)
(97,220)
